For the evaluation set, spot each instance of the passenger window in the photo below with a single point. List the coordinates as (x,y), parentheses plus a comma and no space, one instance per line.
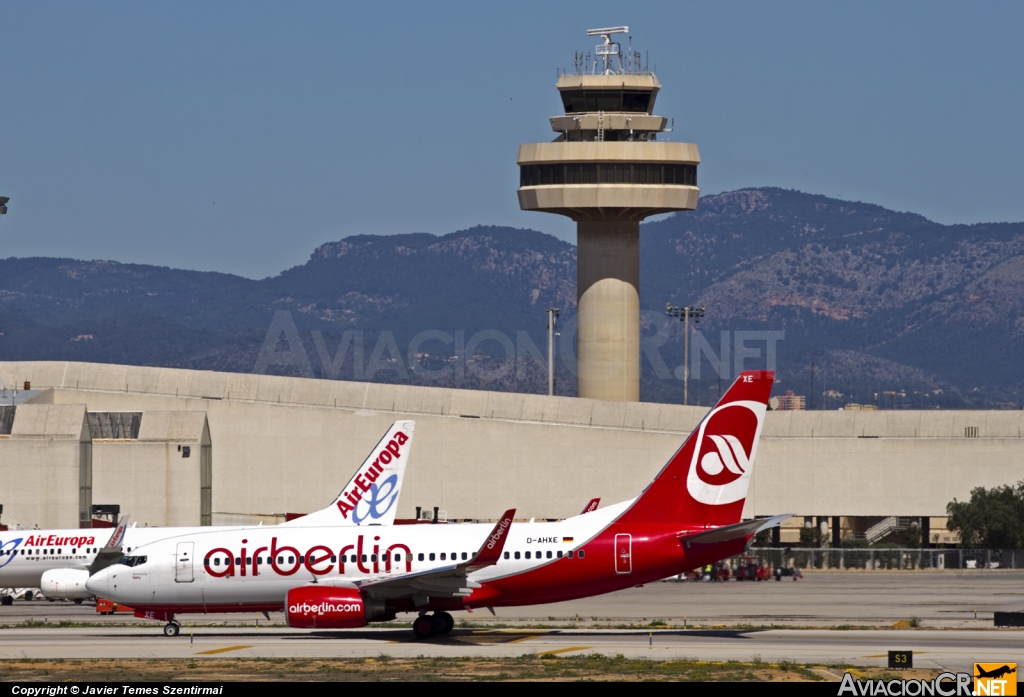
(506,555)
(527,555)
(373,557)
(420,557)
(549,554)
(291,559)
(540,555)
(74,550)
(302,558)
(334,558)
(571,554)
(364,557)
(431,556)
(442,556)
(398,557)
(559,554)
(238,561)
(581,553)
(517,555)
(465,556)
(216,562)
(259,561)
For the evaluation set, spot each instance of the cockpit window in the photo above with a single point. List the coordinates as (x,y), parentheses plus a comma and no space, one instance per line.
(132,561)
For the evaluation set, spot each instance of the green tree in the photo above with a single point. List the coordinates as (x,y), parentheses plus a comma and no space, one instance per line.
(992,518)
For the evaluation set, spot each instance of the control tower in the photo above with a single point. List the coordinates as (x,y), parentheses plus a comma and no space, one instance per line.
(607,170)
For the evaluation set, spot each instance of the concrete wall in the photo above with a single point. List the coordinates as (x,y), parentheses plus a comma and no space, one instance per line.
(289,444)
(150,477)
(40,465)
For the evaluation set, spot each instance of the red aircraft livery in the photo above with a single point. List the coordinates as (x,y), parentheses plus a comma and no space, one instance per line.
(330,576)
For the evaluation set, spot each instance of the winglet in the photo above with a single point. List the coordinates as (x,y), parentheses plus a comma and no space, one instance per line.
(590,507)
(490,552)
(111,551)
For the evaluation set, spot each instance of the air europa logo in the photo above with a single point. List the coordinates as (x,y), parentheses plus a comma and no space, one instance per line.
(724,452)
(58,541)
(7,549)
(365,484)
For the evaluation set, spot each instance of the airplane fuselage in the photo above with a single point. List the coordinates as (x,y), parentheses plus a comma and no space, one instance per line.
(252,569)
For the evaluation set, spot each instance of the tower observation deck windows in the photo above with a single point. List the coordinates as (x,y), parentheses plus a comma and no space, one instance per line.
(635,101)
(607,173)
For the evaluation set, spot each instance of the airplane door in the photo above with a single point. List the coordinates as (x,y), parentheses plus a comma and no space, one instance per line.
(623,554)
(183,563)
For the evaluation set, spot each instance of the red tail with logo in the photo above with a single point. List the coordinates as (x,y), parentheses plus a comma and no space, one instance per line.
(705,482)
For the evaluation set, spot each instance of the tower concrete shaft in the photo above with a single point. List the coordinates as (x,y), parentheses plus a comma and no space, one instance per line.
(607,171)
(608,309)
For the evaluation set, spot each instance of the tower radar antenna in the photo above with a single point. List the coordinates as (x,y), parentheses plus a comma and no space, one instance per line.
(609,49)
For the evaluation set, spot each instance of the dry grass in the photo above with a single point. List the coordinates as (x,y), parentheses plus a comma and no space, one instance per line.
(386,668)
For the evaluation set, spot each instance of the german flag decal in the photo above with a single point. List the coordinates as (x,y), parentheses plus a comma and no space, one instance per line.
(566,539)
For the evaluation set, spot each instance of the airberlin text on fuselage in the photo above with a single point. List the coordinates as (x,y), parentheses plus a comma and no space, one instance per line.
(319,560)
(56,540)
(363,480)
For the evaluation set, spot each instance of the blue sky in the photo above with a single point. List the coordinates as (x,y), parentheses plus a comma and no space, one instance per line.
(237,136)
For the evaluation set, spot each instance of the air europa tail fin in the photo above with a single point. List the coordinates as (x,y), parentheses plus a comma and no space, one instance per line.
(371,496)
(705,482)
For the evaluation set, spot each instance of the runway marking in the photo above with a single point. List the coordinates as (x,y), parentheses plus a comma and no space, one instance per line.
(571,648)
(885,655)
(525,638)
(225,649)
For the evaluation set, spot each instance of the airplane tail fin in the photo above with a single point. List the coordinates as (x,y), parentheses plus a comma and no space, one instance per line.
(705,482)
(371,496)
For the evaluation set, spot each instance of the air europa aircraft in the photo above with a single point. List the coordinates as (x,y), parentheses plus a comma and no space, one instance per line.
(60,561)
(331,577)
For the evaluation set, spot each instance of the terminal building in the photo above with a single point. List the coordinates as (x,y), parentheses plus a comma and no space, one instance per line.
(186,447)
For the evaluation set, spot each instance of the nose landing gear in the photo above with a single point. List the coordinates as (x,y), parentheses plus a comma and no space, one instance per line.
(427,626)
(172,629)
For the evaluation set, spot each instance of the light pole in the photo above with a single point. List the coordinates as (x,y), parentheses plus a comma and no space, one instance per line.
(684,314)
(552,326)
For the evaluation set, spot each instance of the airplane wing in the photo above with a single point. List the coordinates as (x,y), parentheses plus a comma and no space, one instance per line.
(736,531)
(111,551)
(371,495)
(445,582)
(592,506)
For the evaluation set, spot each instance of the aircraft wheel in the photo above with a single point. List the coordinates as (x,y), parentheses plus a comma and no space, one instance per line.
(171,629)
(446,622)
(78,601)
(28,595)
(6,600)
(423,627)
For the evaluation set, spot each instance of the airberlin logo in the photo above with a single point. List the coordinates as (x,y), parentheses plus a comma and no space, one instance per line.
(724,453)
(376,499)
(496,536)
(323,608)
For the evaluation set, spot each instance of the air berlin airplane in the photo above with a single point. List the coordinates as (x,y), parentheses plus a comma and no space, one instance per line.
(59,562)
(331,577)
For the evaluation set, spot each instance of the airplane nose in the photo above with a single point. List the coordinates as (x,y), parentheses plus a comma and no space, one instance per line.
(99,582)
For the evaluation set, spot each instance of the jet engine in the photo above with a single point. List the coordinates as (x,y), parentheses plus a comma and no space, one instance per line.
(326,607)
(65,583)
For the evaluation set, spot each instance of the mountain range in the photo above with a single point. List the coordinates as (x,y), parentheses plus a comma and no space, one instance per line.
(892,308)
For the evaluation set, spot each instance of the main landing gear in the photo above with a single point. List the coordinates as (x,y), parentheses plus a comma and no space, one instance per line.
(427,626)
(172,629)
